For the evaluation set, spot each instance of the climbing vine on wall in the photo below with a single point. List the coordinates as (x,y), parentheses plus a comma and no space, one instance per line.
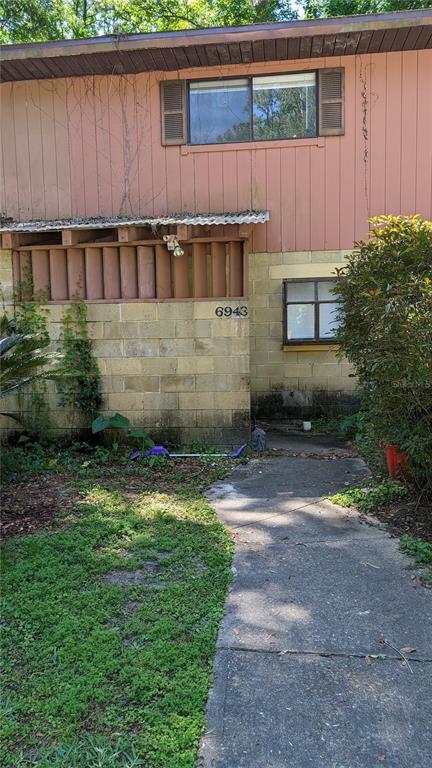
(79,383)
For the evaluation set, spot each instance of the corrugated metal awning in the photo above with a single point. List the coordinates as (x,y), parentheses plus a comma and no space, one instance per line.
(192,219)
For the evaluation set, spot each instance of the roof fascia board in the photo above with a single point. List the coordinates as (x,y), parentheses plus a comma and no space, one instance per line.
(302,28)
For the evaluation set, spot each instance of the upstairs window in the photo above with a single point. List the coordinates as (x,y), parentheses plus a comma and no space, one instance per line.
(310,311)
(253,109)
(270,107)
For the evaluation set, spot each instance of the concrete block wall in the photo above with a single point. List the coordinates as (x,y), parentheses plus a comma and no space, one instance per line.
(298,371)
(174,367)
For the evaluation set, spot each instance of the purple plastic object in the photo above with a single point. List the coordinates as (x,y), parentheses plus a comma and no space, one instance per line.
(160,450)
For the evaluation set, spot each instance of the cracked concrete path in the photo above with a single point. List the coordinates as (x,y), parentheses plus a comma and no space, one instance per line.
(314,591)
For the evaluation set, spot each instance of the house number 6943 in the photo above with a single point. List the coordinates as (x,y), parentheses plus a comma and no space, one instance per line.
(230,311)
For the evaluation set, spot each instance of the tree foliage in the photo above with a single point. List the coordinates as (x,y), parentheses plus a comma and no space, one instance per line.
(385,292)
(33,20)
(314,9)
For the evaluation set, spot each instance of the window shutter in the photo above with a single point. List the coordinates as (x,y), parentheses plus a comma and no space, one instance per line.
(331,102)
(173,111)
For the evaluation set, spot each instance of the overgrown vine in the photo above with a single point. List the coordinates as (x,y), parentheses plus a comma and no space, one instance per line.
(79,382)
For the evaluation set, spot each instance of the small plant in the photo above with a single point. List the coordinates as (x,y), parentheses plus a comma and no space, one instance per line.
(368,498)
(79,385)
(421,550)
(118,421)
(144,441)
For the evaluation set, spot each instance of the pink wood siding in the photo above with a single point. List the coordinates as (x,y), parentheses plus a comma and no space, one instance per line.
(91,146)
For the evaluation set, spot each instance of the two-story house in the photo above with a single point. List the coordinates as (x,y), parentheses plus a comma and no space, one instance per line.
(198,190)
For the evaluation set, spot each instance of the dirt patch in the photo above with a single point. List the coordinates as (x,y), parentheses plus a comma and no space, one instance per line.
(413,517)
(137,578)
(33,506)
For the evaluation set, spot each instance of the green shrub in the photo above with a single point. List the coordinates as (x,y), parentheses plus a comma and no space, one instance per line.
(79,386)
(385,295)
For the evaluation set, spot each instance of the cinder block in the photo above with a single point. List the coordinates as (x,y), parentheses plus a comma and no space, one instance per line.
(138,311)
(214,346)
(232,400)
(240,346)
(267,315)
(159,401)
(141,347)
(276,330)
(56,312)
(196,364)
(259,330)
(6,259)
(101,312)
(107,348)
(260,385)
(263,343)
(260,271)
(122,365)
(124,401)
(213,382)
(158,329)
(304,270)
(176,347)
(141,383)
(196,401)
(158,365)
(257,300)
(327,370)
(234,364)
(112,384)
(302,371)
(119,330)
(176,310)
(213,418)
(191,329)
(329,257)
(231,328)
(177,383)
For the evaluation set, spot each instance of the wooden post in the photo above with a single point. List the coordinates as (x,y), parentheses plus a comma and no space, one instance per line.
(94,273)
(111,273)
(199,270)
(146,272)
(41,272)
(128,272)
(236,269)
(218,269)
(58,274)
(163,272)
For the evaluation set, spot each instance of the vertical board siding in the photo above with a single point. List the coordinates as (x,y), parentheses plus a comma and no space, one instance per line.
(91,146)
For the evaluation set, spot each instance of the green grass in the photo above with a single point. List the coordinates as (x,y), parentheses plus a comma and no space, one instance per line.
(101,675)
(420,550)
(371,494)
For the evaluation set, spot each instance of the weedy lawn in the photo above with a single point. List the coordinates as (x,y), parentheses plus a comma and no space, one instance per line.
(109,623)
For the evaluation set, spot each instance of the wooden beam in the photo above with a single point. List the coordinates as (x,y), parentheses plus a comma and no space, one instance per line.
(183,232)
(71,237)
(58,274)
(163,272)
(218,269)
(94,273)
(128,272)
(131,234)
(235,251)
(245,230)
(180,276)
(146,272)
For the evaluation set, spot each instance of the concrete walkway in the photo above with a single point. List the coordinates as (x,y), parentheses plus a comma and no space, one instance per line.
(314,592)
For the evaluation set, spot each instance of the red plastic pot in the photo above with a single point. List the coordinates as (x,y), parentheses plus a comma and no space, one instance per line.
(397,461)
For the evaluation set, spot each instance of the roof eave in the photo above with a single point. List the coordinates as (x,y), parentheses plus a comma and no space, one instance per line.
(218,35)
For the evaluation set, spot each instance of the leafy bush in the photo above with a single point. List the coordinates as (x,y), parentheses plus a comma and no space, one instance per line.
(385,294)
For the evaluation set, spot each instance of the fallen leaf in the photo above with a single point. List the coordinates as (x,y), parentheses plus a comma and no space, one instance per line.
(369,660)
(236,631)
(381,758)
(408,650)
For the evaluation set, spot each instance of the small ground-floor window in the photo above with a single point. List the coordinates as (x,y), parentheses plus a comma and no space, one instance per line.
(310,311)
